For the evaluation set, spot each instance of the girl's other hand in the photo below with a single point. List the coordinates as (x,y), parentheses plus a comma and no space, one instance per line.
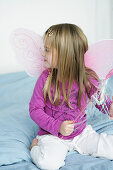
(66,128)
(111,110)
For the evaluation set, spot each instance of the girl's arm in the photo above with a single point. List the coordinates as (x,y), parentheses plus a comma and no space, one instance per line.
(36,109)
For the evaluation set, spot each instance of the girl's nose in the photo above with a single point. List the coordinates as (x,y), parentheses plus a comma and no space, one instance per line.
(43,53)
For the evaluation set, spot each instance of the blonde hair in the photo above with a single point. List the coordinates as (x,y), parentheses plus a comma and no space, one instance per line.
(70,44)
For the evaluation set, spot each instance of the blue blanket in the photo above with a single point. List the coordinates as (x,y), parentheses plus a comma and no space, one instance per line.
(17,129)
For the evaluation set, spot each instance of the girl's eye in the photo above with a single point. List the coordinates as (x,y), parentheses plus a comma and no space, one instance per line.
(46,50)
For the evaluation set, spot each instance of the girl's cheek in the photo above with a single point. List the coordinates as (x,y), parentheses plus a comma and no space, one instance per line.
(50,60)
(55,62)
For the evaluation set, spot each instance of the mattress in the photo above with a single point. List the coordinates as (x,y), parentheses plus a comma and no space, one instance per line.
(17,129)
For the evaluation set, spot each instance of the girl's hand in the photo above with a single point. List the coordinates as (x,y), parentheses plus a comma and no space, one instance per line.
(66,128)
(111,110)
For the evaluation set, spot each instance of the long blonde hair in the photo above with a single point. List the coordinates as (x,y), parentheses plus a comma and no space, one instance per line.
(70,44)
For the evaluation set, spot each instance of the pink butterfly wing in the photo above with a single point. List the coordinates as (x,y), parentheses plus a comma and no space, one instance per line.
(28,48)
(99,57)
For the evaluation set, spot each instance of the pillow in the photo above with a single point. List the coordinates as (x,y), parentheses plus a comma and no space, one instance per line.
(16,127)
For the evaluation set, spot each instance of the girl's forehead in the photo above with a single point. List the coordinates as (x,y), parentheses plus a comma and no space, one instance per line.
(48,41)
(47,44)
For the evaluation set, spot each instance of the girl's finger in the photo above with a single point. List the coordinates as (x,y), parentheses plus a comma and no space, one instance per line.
(70,125)
(70,129)
(69,132)
(111,118)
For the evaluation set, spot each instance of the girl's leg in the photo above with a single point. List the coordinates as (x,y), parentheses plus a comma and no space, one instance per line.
(92,143)
(105,146)
(50,152)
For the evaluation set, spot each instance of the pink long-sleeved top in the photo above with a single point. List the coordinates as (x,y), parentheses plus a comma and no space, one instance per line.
(49,117)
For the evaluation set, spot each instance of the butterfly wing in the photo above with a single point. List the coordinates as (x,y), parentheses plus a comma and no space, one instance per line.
(28,48)
(99,57)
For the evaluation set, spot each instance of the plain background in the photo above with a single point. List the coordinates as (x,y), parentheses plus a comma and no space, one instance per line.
(95,17)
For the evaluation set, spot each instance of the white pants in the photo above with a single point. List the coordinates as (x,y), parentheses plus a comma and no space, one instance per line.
(50,153)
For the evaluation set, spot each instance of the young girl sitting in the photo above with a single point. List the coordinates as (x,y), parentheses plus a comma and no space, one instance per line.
(59,98)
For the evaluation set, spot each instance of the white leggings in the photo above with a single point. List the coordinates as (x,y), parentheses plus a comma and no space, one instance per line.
(50,153)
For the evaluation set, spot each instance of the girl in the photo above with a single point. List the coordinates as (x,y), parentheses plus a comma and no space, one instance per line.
(59,98)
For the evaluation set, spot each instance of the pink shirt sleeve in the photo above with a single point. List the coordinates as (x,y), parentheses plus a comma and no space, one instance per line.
(36,108)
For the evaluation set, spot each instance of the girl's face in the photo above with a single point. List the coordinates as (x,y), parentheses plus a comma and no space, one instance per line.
(50,57)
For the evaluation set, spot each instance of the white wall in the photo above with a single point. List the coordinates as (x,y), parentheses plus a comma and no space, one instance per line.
(93,16)
(111,17)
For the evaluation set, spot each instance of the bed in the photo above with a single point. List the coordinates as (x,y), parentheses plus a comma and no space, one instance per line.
(17,129)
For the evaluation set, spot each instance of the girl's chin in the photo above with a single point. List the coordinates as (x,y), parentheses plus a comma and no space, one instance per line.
(47,64)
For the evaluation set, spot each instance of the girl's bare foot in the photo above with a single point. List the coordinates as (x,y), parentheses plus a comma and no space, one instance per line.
(34,143)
